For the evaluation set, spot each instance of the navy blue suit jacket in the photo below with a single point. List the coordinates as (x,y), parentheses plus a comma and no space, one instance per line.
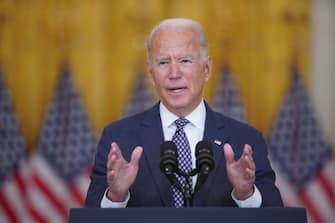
(151,187)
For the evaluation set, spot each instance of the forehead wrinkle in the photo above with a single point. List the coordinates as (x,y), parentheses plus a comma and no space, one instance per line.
(175,43)
(178,51)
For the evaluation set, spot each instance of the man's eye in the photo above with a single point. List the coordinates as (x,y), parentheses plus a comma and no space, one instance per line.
(185,61)
(160,63)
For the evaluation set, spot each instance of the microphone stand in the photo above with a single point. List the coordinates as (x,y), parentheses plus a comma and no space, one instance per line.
(187,190)
(169,166)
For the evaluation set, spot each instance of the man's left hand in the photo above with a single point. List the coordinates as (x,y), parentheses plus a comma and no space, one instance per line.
(241,173)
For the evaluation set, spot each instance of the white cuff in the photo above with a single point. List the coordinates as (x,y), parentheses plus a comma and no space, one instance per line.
(106,203)
(254,201)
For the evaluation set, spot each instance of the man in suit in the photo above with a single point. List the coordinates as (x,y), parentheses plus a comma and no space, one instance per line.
(126,172)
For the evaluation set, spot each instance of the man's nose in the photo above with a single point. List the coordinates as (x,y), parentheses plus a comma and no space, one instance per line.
(174,70)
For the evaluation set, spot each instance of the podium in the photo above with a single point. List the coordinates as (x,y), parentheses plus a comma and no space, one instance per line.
(191,215)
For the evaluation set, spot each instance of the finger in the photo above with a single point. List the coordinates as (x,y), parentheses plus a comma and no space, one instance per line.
(115,157)
(229,153)
(250,174)
(247,157)
(110,169)
(116,150)
(111,161)
(110,175)
(112,151)
(247,150)
(136,155)
(251,163)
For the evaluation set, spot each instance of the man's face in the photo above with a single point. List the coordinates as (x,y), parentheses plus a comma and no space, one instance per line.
(177,69)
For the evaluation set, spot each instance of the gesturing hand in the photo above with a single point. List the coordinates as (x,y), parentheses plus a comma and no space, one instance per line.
(121,174)
(241,173)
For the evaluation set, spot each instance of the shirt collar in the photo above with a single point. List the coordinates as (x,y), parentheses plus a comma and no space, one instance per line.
(197,117)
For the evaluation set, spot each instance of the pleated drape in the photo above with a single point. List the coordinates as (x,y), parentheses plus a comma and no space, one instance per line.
(104,44)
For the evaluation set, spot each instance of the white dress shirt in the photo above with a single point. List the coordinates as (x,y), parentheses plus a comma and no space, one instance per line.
(194,132)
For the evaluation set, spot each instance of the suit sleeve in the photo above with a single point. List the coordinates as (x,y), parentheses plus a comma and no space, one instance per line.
(98,183)
(265,176)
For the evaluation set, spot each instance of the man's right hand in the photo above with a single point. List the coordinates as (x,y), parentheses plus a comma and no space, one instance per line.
(121,174)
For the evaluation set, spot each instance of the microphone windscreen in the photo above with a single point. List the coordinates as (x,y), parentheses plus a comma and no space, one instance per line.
(168,157)
(169,163)
(203,146)
(204,156)
(168,146)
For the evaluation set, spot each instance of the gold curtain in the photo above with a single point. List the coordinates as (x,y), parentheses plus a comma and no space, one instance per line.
(104,43)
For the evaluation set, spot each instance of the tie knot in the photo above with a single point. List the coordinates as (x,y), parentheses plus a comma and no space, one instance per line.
(181,122)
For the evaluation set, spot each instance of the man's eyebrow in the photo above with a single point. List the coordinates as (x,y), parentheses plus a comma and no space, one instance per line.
(187,57)
(162,58)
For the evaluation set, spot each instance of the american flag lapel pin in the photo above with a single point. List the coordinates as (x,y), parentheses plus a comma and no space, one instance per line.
(218,142)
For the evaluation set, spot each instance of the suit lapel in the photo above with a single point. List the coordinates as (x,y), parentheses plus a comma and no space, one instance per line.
(152,136)
(215,132)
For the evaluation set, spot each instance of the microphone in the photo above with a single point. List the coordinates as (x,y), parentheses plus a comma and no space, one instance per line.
(204,162)
(169,162)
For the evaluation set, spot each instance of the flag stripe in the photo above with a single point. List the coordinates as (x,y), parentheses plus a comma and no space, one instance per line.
(320,201)
(9,211)
(21,184)
(82,182)
(57,185)
(15,199)
(288,194)
(12,155)
(76,194)
(302,155)
(51,196)
(42,204)
(65,149)
(36,215)
(3,215)
(326,185)
(311,210)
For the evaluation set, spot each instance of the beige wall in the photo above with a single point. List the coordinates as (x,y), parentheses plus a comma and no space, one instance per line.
(323,66)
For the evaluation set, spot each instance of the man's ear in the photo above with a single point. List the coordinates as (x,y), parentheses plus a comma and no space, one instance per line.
(208,68)
(150,73)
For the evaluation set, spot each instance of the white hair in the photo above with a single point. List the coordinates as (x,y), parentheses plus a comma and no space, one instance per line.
(180,23)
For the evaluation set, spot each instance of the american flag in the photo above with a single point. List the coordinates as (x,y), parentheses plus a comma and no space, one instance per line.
(227,99)
(302,158)
(141,97)
(12,159)
(59,170)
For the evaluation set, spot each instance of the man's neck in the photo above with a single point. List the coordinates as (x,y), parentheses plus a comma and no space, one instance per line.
(182,112)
